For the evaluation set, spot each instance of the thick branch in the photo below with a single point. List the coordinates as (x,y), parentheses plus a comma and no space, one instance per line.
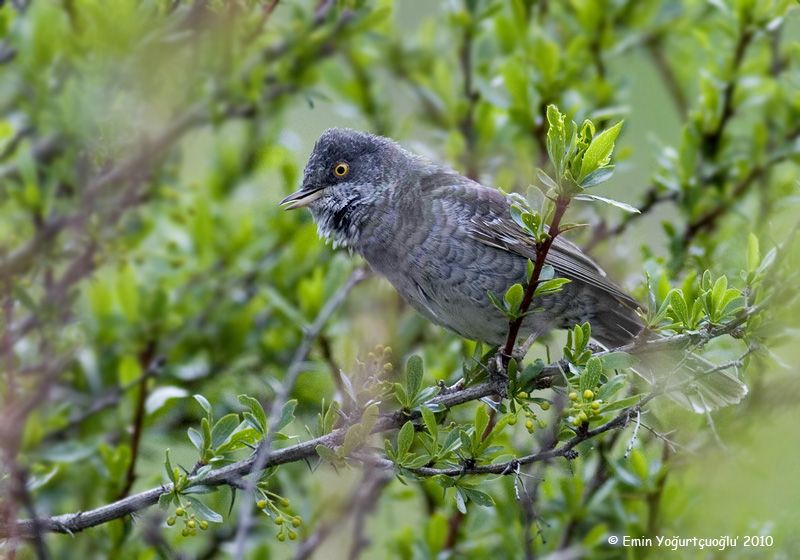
(232,474)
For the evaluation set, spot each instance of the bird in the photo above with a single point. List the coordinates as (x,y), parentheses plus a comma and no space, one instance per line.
(445,242)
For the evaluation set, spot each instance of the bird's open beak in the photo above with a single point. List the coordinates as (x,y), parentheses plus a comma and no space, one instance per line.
(301,198)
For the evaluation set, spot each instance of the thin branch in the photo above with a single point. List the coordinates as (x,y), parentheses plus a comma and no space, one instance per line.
(542,249)
(708,220)
(655,48)
(467,123)
(147,361)
(712,140)
(262,456)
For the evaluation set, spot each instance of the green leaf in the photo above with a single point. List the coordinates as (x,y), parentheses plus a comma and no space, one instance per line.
(287,415)
(451,443)
(551,286)
(478,497)
(598,154)
(622,403)
(129,370)
(461,503)
(496,302)
(590,377)
(718,292)
(405,437)
(679,308)
(611,387)
(168,467)
(328,454)
(165,500)
(615,203)
(203,511)
(204,403)
(556,138)
(196,438)
(255,408)
(159,397)
(513,297)
(546,180)
(401,396)
(414,374)
(597,176)
(639,465)
(617,360)
(223,429)
(430,422)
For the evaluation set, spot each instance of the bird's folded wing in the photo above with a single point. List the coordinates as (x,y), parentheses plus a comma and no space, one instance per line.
(491,223)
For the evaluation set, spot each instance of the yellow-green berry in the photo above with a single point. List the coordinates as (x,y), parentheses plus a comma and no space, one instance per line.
(171,520)
(529,424)
(388,367)
(292,535)
(522,395)
(278,520)
(281,537)
(582,416)
(512,420)
(573,396)
(180,512)
(595,405)
(545,405)
(576,421)
(204,524)
(186,532)
(261,504)
(297,521)
(191,524)
(588,394)
(285,502)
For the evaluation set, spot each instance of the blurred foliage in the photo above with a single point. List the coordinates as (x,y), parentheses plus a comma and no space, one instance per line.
(144,145)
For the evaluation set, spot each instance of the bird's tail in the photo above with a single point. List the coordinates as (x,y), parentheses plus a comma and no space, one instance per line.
(689,379)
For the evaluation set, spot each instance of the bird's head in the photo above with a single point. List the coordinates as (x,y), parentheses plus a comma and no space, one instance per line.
(350,178)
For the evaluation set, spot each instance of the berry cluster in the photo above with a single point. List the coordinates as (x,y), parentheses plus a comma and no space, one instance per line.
(190,521)
(271,503)
(523,401)
(583,407)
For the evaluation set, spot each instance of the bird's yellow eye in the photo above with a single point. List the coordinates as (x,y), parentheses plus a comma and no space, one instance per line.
(341,169)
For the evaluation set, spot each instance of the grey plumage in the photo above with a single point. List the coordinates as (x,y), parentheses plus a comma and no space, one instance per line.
(445,241)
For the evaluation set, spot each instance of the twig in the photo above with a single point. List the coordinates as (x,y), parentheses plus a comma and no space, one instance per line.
(266,12)
(467,124)
(262,456)
(366,500)
(655,48)
(712,140)
(635,433)
(147,361)
(541,253)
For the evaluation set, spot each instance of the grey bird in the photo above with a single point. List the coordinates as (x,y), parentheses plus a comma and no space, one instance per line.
(445,241)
